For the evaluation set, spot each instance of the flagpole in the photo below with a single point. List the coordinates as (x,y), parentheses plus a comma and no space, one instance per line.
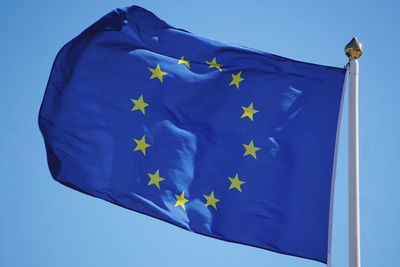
(353,51)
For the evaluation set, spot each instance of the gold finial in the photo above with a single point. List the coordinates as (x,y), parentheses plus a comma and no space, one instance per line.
(353,50)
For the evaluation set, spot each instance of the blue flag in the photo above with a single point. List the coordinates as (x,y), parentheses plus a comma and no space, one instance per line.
(218,139)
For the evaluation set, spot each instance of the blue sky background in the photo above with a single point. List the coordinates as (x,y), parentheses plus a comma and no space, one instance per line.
(43,223)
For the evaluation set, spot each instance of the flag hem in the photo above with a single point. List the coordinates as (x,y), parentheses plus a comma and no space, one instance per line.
(332,195)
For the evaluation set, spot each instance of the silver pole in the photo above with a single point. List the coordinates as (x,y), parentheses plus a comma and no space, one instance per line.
(354,51)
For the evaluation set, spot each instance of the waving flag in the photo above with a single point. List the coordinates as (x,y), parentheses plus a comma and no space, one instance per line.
(218,139)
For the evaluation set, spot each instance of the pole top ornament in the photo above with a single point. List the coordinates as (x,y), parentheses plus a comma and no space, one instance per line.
(353,49)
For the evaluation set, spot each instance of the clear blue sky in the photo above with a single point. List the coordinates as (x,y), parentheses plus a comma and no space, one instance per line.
(43,223)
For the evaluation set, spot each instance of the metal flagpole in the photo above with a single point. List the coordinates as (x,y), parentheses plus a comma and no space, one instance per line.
(353,51)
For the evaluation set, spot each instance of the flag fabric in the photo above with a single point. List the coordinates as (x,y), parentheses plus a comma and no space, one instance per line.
(218,139)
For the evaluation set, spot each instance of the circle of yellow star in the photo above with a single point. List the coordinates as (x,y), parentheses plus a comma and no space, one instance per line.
(184,61)
(236,79)
(155,179)
(211,200)
(141,145)
(236,183)
(214,64)
(157,73)
(139,104)
(251,149)
(249,112)
(181,200)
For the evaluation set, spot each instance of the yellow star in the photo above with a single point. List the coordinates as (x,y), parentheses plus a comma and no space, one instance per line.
(157,73)
(214,64)
(236,79)
(181,200)
(155,179)
(141,145)
(184,61)
(249,111)
(139,104)
(211,200)
(236,183)
(251,149)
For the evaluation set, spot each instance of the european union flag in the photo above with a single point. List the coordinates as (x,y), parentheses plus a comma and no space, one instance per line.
(218,139)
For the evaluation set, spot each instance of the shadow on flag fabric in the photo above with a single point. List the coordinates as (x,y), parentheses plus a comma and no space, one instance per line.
(218,139)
